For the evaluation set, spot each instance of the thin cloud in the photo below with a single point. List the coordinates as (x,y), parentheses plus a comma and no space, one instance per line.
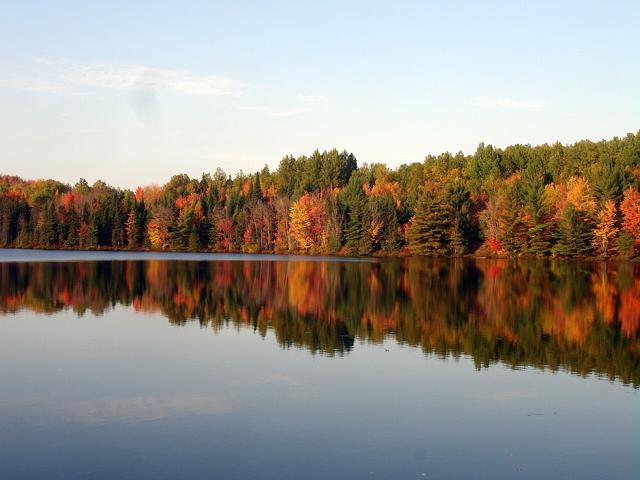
(271,112)
(510,104)
(285,113)
(27,85)
(125,77)
(310,98)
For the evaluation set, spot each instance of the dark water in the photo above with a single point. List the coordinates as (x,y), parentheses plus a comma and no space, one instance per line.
(134,366)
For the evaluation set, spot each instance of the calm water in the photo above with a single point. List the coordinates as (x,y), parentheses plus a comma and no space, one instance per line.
(223,367)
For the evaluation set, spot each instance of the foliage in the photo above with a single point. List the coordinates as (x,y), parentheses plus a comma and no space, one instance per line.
(605,232)
(428,232)
(558,200)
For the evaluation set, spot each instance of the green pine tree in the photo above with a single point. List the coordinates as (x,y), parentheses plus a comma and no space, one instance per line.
(573,235)
(72,223)
(390,240)
(353,231)
(459,200)
(91,241)
(49,231)
(514,234)
(540,239)
(429,230)
(365,245)
(194,240)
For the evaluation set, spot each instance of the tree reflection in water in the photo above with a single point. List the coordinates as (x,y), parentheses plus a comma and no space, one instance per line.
(579,317)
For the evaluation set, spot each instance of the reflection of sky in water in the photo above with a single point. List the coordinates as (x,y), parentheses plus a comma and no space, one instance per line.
(97,410)
(98,397)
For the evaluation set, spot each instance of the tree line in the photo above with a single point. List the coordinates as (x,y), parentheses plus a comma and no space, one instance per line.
(582,317)
(548,200)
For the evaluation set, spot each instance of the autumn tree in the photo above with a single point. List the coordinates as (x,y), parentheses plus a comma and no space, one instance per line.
(630,208)
(300,225)
(605,231)
(226,232)
(158,229)
(491,225)
(307,224)
(334,224)
(576,208)
(282,240)
(519,199)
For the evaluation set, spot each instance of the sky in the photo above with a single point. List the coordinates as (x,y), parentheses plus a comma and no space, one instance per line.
(135,92)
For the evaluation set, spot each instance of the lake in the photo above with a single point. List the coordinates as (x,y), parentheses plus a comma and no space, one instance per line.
(147,365)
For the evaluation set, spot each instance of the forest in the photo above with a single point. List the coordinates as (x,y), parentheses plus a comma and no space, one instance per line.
(556,200)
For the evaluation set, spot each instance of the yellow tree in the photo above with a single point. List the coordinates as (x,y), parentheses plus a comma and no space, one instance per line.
(308,223)
(606,230)
(158,229)
(300,225)
(579,194)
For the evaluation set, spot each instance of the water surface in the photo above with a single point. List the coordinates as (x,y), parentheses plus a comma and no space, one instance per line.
(209,366)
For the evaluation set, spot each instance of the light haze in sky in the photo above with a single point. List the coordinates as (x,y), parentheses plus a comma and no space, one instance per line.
(134,92)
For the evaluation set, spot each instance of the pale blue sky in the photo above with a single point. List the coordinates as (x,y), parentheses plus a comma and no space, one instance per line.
(135,93)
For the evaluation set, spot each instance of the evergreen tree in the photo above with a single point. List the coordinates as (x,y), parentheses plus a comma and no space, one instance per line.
(24,239)
(118,234)
(334,225)
(181,229)
(514,230)
(625,245)
(428,232)
(538,224)
(141,216)
(390,238)
(72,223)
(540,235)
(49,229)
(255,190)
(5,223)
(368,229)
(573,235)
(194,241)
(459,200)
(92,241)
(354,232)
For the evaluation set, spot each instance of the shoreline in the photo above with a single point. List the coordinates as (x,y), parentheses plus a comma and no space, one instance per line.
(319,256)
